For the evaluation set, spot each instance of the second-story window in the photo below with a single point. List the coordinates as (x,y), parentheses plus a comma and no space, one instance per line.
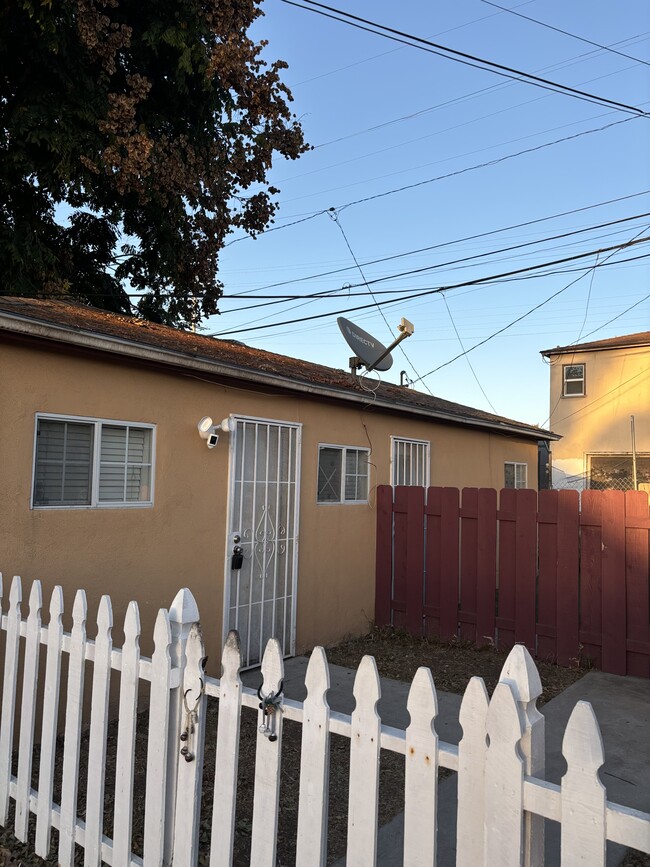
(573,380)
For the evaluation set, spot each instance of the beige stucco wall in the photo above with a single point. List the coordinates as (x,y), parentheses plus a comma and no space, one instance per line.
(148,553)
(617,385)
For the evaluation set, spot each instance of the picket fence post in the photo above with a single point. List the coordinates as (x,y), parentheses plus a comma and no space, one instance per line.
(504,782)
(12,649)
(470,844)
(520,673)
(268,754)
(190,767)
(182,615)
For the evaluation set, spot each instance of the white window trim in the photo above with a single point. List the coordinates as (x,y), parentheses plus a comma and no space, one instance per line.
(94,493)
(427,443)
(342,501)
(583,380)
(515,464)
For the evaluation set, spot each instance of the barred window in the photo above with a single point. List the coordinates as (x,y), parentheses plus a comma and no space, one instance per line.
(515,475)
(410,462)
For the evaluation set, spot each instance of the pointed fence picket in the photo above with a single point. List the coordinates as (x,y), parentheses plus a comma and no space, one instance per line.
(503,800)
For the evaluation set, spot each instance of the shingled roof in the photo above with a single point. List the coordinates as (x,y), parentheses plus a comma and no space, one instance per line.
(99,331)
(641,338)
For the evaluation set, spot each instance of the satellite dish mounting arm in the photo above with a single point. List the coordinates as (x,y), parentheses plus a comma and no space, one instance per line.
(406,329)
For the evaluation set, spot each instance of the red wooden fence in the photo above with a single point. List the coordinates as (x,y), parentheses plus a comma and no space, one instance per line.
(565,574)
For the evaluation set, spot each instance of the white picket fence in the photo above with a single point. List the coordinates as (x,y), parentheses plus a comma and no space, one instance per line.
(502,797)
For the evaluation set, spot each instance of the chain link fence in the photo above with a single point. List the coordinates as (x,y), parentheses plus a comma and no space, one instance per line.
(608,472)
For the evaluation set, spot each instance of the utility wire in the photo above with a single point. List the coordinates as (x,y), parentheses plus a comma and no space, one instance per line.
(451,319)
(279,299)
(410,296)
(459,56)
(336,220)
(566,33)
(462,171)
(445,243)
(634,240)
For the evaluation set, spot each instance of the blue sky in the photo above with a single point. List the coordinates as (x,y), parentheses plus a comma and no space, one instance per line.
(382,116)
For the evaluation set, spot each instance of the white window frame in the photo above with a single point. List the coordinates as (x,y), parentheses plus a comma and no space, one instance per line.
(427,459)
(95,465)
(343,449)
(517,467)
(565,367)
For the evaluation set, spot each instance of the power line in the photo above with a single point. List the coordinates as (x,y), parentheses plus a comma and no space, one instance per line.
(634,240)
(451,319)
(446,243)
(279,299)
(335,218)
(437,290)
(459,56)
(462,171)
(566,33)
(402,189)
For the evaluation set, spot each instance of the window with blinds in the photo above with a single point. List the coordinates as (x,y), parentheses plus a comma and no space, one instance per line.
(410,462)
(84,462)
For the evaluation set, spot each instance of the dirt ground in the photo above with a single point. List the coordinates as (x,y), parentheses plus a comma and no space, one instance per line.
(398,656)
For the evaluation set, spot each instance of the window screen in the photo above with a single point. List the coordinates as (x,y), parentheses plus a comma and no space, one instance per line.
(342,475)
(574,380)
(515,475)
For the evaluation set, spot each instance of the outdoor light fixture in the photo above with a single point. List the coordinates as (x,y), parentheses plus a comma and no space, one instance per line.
(208,431)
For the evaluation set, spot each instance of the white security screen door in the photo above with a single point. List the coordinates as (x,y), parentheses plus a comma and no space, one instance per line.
(262,543)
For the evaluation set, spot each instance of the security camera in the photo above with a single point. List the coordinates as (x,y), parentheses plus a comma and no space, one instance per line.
(212,440)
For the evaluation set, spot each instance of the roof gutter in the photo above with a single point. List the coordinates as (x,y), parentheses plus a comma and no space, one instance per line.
(19,324)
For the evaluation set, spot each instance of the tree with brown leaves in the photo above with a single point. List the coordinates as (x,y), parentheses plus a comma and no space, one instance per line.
(135,136)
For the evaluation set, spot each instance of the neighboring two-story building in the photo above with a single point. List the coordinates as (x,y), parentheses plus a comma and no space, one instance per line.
(600,405)
(107,484)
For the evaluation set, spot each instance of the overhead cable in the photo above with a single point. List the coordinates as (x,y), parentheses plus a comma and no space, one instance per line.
(459,56)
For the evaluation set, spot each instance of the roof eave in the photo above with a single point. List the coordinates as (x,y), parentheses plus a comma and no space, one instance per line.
(21,324)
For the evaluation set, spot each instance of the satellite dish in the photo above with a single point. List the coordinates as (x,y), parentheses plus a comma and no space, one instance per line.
(366,347)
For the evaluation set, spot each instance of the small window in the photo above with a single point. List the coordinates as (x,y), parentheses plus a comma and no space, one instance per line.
(342,475)
(82,462)
(516,475)
(410,462)
(573,380)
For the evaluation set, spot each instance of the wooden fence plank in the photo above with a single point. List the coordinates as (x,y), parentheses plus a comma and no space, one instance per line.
(311,849)
(158,744)
(504,782)
(614,656)
(28,711)
(227,754)
(267,765)
(127,715)
(433,566)
(547,582)
(470,842)
(190,771)
(636,582)
(449,563)
(591,573)
(9,686)
(364,767)
(72,737)
(486,567)
(526,558)
(49,725)
(384,556)
(421,773)
(468,564)
(414,559)
(97,737)
(568,582)
(583,795)
(507,579)
(400,556)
